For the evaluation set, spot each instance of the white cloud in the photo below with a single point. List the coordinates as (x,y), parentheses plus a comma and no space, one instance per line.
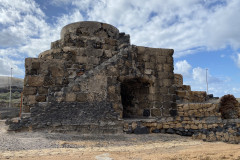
(26,33)
(6,65)
(14,10)
(19,21)
(199,75)
(22,23)
(202,76)
(222,26)
(183,67)
(187,26)
(217,85)
(238,60)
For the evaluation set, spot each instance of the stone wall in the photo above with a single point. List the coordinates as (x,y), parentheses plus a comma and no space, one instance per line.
(178,79)
(201,121)
(93,77)
(184,93)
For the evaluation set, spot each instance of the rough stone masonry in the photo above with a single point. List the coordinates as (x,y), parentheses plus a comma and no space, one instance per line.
(93,80)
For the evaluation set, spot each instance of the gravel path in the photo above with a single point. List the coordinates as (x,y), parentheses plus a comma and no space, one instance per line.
(44,145)
(23,140)
(16,141)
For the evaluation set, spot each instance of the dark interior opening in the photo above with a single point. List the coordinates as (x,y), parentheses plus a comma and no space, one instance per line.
(135,101)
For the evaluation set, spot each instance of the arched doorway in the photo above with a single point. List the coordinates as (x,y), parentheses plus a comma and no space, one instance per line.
(135,98)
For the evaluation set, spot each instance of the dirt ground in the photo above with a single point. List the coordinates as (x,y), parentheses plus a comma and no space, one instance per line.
(45,145)
(152,151)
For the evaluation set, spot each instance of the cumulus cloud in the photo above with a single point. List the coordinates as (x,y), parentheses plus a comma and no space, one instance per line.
(222,31)
(199,75)
(19,21)
(217,85)
(26,33)
(187,26)
(183,67)
(6,65)
(238,60)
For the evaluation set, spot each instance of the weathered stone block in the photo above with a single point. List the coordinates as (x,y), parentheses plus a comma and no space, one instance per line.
(168,68)
(82,97)
(181,93)
(112,89)
(162,75)
(167,82)
(170,59)
(48,81)
(141,50)
(168,98)
(35,65)
(34,81)
(178,79)
(149,65)
(42,90)
(108,53)
(160,67)
(148,71)
(156,112)
(31,99)
(82,59)
(41,98)
(29,90)
(70,97)
(179,125)
(186,87)
(165,126)
(161,59)
(94,60)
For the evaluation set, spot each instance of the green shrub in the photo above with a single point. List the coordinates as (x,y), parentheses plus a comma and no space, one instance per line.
(16,95)
(229,107)
(5,96)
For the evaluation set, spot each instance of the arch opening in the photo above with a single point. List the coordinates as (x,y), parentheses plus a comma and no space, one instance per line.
(135,98)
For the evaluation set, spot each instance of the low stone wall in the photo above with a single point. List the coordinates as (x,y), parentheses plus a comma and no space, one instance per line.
(201,121)
(186,96)
(199,110)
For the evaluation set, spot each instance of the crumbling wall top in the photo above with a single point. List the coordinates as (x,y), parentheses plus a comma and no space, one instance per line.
(90,28)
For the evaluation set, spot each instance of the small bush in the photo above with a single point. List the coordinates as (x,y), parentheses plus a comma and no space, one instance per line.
(5,96)
(229,107)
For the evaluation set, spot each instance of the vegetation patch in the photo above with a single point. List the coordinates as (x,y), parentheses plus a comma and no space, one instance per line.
(229,107)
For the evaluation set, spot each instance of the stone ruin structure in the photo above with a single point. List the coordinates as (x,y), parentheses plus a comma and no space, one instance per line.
(93,80)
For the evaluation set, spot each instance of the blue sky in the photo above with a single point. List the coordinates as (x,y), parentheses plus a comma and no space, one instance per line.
(203,33)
